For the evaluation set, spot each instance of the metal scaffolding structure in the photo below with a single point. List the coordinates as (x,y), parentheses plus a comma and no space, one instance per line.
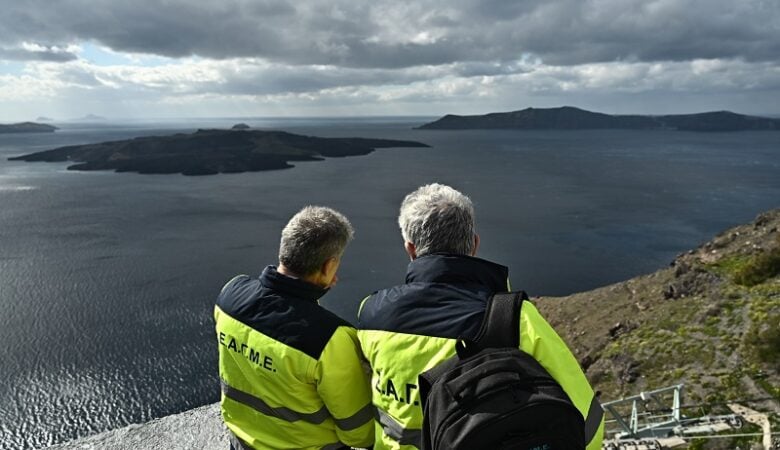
(653,420)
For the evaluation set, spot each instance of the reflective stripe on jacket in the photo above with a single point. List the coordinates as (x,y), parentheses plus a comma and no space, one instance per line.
(408,329)
(290,371)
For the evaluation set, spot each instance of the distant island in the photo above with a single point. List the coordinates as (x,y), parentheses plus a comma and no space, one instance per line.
(90,118)
(27,127)
(208,152)
(571,118)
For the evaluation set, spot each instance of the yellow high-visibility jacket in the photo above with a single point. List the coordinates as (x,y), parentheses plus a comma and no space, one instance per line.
(290,371)
(408,329)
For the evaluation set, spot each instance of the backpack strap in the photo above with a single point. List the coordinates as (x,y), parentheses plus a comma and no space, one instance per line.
(500,326)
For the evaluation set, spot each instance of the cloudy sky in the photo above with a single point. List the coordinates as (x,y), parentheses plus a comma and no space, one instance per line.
(209,58)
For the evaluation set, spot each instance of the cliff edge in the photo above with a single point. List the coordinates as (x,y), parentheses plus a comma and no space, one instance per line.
(711,320)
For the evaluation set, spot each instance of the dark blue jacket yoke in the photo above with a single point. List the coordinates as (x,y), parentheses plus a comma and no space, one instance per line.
(282,308)
(444,296)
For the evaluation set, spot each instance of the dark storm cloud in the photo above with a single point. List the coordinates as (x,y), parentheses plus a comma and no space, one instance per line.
(305,79)
(45,54)
(390,34)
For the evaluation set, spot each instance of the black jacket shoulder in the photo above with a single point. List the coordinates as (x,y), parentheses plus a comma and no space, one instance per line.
(444,296)
(289,314)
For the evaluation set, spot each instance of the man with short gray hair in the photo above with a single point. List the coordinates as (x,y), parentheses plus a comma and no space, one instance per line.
(291,371)
(438,219)
(408,329)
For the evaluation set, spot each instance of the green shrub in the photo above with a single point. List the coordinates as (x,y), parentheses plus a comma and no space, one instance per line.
(766,342)
(759,269)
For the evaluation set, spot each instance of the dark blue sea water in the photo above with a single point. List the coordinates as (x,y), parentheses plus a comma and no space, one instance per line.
(107,280)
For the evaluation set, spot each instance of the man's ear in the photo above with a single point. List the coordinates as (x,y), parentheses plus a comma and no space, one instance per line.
(410,250)
(476,245)
(329,265)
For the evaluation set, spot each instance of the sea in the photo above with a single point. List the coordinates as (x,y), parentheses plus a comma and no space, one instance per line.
(108,280)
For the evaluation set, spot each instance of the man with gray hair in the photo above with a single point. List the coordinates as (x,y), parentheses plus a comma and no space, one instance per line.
(408,329)
(291,371)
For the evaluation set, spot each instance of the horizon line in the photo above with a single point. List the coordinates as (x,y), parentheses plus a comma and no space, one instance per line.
(98,119)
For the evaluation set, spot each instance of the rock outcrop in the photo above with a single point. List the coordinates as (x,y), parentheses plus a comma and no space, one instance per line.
(199,428)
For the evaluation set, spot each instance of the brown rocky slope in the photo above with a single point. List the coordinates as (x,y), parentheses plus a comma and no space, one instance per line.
(711,321)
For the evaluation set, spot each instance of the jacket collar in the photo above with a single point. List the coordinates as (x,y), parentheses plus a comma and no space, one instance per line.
(458,269)
(288,286)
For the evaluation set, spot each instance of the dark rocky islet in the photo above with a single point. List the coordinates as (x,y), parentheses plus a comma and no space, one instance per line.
(208,152)
(27,127)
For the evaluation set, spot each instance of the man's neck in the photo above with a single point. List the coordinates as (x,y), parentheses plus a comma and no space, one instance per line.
(281,268)
(289,273)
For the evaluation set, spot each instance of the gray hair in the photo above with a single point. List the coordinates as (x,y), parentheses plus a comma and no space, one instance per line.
(437,218)
(311,237)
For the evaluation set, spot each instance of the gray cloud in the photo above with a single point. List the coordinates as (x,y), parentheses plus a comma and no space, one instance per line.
(46,54)
(387,57)
(252,78)
(205,87)
(389,34)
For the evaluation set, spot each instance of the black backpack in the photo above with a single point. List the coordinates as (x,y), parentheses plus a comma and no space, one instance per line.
(492,395)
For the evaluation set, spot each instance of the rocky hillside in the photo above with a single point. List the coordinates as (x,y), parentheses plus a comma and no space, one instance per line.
(711,321)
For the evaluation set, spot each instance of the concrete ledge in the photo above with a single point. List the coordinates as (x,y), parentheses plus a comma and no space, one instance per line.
(199,428)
